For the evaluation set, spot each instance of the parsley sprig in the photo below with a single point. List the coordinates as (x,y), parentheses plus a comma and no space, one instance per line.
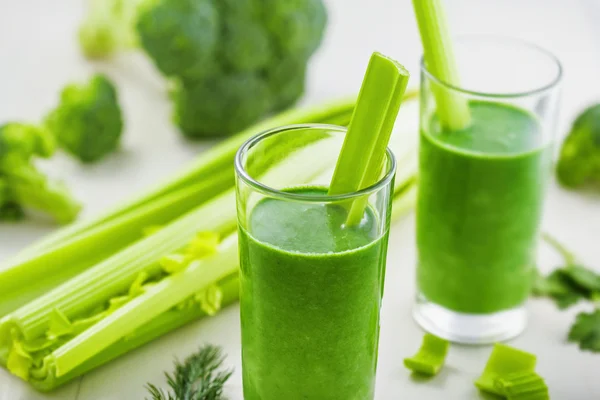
(567,286)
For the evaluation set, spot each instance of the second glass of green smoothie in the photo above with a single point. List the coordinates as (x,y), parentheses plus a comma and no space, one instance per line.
(482,187)
(311,284)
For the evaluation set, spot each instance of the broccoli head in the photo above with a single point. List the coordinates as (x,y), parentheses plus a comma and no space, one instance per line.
(232,61)
(579,160)
(227,104)
(22,186)
(87,122)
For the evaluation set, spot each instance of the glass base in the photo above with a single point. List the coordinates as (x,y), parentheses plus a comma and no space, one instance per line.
(469,328)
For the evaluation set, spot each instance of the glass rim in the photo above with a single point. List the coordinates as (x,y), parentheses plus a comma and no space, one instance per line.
(521,42)
(267,190)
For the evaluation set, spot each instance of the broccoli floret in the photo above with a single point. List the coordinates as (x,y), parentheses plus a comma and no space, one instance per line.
(180,36)
(87,122)
(233,61)
(21,184)
(579,161)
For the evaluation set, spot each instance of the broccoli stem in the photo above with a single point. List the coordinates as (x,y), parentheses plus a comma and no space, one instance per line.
(30,189)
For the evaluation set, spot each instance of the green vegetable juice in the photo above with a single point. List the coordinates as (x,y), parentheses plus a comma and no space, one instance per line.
(311,291)
(480,202)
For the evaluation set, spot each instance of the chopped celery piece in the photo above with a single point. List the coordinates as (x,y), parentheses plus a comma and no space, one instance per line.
(504,361)
(523,386)
(452,109)
(363,152)
(430,358)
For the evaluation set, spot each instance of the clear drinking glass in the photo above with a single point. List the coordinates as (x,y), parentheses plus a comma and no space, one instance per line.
(311,284)
(481,189)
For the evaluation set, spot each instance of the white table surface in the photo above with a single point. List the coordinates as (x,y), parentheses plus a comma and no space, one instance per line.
(38,55)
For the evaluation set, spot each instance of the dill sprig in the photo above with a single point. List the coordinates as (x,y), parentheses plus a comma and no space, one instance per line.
(199,377)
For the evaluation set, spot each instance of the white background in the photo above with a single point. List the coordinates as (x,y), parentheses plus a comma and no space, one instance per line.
(38,55)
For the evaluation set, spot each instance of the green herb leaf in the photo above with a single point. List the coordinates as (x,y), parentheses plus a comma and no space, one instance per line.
(586,331)
(568,285)
(430,357)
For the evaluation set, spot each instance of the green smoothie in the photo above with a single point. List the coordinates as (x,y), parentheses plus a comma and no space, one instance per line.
(480,202)
(310,300)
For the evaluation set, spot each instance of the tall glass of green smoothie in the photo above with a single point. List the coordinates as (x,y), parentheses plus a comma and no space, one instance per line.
(311,284)
(482,187)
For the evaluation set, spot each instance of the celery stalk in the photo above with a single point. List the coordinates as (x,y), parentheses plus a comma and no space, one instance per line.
(452,109)
(363,152)
(504,361)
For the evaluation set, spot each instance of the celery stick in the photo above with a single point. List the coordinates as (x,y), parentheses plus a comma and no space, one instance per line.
(430,358)
(503,361)
(363,152)
(452,108)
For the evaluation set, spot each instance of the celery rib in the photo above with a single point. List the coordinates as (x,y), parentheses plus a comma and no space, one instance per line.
(452,108)
(363,152)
